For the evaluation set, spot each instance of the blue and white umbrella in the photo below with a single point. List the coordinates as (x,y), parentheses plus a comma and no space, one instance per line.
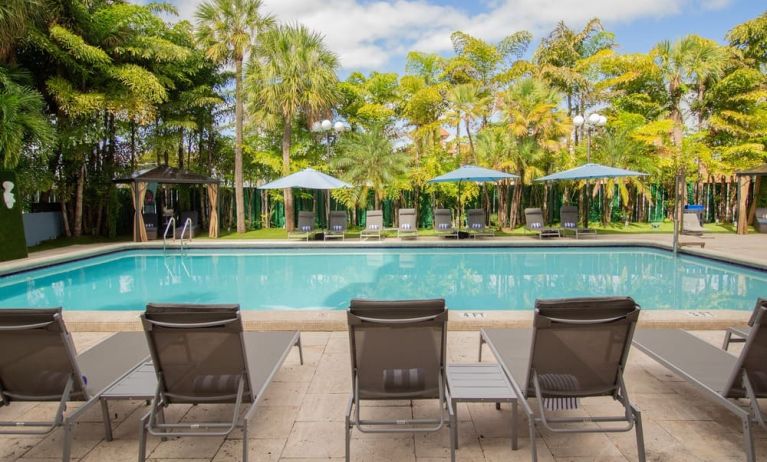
(590,172)
(475,175)
(308,178)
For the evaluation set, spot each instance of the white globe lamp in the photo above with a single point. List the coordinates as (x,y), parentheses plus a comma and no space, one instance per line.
(327,125)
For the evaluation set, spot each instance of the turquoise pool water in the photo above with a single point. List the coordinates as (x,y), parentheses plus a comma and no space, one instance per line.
(469,278)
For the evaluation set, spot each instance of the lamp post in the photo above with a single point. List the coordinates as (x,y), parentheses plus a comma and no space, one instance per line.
(590,123)
(331,132)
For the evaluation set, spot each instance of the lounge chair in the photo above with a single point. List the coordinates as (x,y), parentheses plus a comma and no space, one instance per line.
(398,353)
(475,222)
(201,355)
(38,363)
(373,225)
(720,376)
(760,220)
(568,223)
(194,219)
(690,224)
(305,228)
(407,225)
(534,222)
(740,334)
(337,225)
(443,223)
(576,349)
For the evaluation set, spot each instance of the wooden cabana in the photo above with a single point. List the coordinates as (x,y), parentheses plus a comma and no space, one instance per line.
(163,174)
(744,180)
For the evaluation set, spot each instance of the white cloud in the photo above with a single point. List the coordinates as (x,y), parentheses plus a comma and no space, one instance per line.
(367,35)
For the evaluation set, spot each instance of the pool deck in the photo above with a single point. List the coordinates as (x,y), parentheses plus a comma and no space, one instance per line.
(749,250)
(300,419)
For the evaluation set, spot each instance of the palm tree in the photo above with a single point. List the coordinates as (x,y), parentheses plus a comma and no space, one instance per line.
(292,71)
(467,104)
(21,120)
(367,159)
(678,64)
(227,30)
(530,110)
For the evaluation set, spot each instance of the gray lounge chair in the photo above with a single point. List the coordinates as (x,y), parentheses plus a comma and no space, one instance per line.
(576,349)
(201,355)
(691,225)
(739,334)
(475,222)
(337,225)
(443,223)
(568,223)
(760,220)
(398,353)
(721,377)
(38,363)
(534,222)
(373,225)
(407,225)
(305,228)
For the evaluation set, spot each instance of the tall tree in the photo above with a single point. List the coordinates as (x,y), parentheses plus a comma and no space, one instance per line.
(292,72)
(228,30)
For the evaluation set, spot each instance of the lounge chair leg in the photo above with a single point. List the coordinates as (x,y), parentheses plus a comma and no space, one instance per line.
(726,344)
(107,420)
(142,438)
(67,452)
(300,350)
(348,431)
(640,434)
(748,439)
(245,442)
(454,426)
(481,342)
(514,437)
(533,449)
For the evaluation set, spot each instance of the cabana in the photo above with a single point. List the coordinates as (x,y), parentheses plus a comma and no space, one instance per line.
(744,179)
(163,174)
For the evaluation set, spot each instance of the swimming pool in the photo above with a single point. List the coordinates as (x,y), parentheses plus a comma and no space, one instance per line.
(506,278)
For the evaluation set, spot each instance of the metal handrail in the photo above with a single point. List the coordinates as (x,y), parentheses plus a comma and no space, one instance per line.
(171,225)
(187,225)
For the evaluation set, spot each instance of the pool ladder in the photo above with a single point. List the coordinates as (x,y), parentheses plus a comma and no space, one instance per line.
(171,226)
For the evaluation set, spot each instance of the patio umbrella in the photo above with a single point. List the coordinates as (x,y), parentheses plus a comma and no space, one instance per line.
(590,172)
(308,178)
(473,174)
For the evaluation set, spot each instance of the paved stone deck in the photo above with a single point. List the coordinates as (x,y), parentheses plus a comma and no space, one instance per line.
(302,412)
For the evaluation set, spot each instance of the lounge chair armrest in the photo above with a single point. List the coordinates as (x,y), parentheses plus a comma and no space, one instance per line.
(586,321)
(398,321)
(27,326)
(193,325)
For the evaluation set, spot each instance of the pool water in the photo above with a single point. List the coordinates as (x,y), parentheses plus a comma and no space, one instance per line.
(468,278)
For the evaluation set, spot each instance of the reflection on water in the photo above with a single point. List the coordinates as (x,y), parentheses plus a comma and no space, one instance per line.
(487,279)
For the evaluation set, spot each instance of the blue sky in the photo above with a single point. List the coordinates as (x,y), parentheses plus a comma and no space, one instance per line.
(376,35)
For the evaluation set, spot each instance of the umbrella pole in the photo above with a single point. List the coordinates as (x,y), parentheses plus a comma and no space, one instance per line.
(586,205)
(459,209)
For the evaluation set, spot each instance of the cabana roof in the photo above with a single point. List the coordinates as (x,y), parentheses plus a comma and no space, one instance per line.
(166,175)
(756,171)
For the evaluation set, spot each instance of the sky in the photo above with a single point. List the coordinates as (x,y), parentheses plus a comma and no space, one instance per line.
(374,35)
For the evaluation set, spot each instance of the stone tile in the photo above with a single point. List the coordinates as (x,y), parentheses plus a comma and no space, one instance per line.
(490,422)
(270,422)
(315,440)
(85,437)
(323,408)
(284,393)
(188,448)
(383,450)
(437,444)
(260,450)
(499,450)
(709,441)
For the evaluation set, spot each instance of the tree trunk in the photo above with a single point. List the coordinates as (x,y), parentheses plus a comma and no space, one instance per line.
(471,141)
(287,131)
(78,225)
(238,192)
(754,201)
(181,148)
(515,204)
(65,218)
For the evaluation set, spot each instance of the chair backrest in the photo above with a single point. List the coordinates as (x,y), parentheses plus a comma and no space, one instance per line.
(759,302)
(338,221)
(374,220)
(534,218)
(568,216)
(397,348)
(198,351)
(475,218)
(443,219)
(407,219)
(191,214)
(690,221)
(580,345)
(305,221)
(37,357)
(752,359)
(761,213)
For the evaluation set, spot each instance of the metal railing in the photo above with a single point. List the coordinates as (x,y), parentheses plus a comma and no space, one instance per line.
(187,226)
(170,226)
